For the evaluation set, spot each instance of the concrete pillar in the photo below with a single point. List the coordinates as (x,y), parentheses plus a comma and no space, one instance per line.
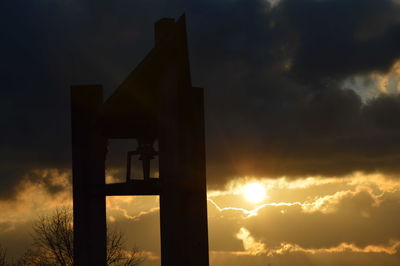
(88,154)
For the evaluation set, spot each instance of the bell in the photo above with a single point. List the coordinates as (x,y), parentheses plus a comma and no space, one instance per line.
(146,153)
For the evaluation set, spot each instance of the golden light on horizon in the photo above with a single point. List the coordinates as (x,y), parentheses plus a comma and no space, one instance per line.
(254,192)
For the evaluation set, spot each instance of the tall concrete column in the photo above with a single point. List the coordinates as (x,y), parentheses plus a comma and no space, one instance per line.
(183,199)
(88,157)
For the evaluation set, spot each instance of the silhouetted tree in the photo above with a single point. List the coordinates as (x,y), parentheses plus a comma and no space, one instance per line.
(3,256)
(53,243)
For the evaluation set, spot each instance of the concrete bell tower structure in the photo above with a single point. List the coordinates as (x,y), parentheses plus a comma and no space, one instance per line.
(155,103)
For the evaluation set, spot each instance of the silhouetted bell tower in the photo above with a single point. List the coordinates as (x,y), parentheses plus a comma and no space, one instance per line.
(155,103)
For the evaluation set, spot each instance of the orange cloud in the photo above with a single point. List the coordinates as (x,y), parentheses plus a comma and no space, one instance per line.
(253,247)
(250,245)
(375,185)
(389,249)
(34,198)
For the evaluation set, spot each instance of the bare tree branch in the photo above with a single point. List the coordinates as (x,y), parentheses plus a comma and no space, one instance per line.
(118,256)
(53,243)
(3,255)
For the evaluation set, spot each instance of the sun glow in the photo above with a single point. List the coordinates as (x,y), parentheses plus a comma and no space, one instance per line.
(254,192)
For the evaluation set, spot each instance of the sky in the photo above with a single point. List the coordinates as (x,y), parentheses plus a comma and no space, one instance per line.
(302,100)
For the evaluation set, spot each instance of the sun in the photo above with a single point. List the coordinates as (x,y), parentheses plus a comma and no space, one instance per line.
(254,192)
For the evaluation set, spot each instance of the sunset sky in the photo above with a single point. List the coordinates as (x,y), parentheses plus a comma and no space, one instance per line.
(302,109)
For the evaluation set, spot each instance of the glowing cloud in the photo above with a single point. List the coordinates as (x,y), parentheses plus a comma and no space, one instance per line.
(342,247)
(374,185)
(250,245)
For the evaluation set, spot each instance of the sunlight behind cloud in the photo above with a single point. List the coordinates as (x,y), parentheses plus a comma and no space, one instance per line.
(311,194)
(254,192)
(271,217)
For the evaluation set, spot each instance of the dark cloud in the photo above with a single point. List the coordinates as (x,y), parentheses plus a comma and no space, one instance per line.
(383,113)
(340,38)
(276,105)
(274,102)
(45,48)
